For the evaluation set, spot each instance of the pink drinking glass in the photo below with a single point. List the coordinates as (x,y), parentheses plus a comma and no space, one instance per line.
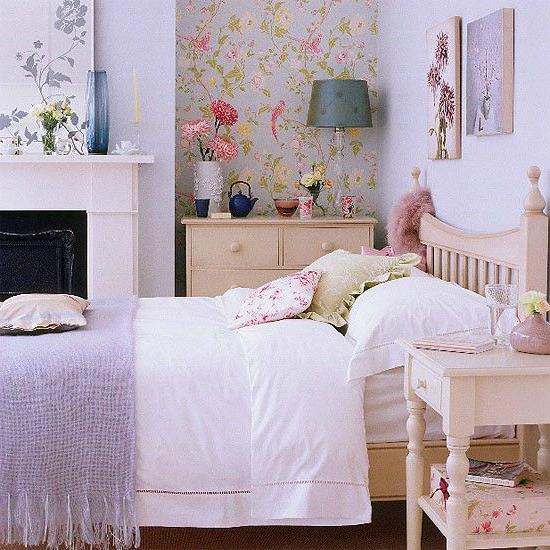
(348,206)
(306,207)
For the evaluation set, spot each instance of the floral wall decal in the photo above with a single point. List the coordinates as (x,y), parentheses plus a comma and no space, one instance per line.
(46,51)
(262,57)
(443,83)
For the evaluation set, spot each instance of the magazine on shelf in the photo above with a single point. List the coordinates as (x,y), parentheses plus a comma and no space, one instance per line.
(461,342)
(507,474)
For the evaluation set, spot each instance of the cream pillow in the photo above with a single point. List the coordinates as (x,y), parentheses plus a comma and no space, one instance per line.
(346,276)
(39,313)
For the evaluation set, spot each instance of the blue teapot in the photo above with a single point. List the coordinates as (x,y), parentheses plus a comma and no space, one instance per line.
(240,205)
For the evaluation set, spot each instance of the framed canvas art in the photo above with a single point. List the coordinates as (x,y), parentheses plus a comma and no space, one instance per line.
(443,90)
(490,74)
(46,50)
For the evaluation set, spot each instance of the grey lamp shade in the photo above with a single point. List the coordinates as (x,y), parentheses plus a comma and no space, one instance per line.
(339,103)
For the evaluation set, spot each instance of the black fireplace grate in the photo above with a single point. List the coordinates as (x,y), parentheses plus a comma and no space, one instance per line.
(40,262)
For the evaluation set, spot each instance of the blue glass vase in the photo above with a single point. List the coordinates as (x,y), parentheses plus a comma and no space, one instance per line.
(97,113)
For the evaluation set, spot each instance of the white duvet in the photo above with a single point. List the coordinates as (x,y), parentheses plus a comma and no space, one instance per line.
(255,426)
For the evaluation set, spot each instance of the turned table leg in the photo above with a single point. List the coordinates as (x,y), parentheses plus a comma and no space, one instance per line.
(416,428)
(457,469)
(543,458)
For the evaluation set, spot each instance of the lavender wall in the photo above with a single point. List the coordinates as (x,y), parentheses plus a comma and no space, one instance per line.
(142,35)
(484,190)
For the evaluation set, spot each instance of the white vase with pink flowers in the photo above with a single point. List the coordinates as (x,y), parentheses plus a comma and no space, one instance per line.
(214,148)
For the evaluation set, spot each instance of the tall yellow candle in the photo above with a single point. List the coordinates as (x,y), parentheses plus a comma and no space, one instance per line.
(137,104)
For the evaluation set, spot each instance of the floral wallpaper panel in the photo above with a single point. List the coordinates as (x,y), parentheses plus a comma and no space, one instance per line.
(262,56)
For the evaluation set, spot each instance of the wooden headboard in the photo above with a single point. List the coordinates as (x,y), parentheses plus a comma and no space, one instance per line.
(472,260)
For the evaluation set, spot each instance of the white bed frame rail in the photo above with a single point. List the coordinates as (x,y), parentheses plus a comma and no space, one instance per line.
(473,260)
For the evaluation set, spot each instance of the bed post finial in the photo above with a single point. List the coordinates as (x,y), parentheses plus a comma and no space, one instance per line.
(415,173)
(534,202)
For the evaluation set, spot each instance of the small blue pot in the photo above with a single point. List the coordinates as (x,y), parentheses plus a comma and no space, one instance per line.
(202,206)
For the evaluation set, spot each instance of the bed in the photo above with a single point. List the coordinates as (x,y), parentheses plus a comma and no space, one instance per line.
(165,495)
(259,425)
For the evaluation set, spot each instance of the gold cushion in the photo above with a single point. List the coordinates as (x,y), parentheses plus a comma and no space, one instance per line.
(38,313)
(346,276)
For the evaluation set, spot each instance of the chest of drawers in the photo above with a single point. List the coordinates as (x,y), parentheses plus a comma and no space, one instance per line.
(248,252)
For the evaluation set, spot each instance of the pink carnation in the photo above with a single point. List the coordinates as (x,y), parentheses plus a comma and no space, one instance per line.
(191,129)
(225,113)
(224,148)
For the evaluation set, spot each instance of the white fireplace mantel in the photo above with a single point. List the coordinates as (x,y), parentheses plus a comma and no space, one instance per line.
(105,187)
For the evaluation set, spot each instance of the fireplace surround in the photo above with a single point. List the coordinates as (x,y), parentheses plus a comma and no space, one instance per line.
(102,191)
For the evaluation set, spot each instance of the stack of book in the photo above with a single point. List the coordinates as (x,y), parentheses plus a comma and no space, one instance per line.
(460,342)
(507,474)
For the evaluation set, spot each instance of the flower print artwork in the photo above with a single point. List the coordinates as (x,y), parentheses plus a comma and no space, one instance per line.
(44,59)
(490,74)
(443,85)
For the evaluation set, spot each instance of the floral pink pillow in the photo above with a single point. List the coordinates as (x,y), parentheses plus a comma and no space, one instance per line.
(283,298)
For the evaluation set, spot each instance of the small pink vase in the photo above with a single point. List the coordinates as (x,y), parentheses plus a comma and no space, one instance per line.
(532,335)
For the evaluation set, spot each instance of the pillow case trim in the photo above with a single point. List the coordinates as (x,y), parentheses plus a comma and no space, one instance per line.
(339,318)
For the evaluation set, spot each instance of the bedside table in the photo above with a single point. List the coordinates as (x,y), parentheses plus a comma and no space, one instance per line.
(500,386)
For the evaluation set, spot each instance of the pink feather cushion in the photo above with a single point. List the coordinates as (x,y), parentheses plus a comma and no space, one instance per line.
(404,223)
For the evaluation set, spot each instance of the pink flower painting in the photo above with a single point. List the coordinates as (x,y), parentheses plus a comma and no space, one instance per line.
(443,83)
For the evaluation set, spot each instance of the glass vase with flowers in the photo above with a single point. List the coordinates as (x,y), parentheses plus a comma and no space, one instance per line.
(50,115)
(533,334)
(314,182)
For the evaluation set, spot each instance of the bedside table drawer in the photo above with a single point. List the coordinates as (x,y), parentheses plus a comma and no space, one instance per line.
(227,246)
(426,385)
(303,245)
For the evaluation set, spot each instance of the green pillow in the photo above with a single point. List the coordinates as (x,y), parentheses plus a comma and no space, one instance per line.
(346,276)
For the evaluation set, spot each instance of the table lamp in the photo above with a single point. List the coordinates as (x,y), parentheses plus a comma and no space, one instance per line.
(339,104)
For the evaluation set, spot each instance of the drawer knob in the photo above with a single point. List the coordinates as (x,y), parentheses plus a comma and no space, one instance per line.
(327,247)
(421,384)
(235,247)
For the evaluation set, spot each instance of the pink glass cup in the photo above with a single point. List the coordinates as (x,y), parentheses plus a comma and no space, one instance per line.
(306,207)
(348,206)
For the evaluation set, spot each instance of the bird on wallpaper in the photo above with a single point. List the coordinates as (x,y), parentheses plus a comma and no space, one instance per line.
(276,112)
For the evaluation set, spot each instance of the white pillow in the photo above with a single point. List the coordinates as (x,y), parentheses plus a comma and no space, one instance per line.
(407,308)
(40,313)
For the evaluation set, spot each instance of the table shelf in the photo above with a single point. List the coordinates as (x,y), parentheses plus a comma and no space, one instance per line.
(483,540)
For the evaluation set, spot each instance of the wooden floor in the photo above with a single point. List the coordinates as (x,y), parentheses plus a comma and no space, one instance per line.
(387,532)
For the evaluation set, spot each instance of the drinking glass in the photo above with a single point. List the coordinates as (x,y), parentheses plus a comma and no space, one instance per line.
(502,300)
(305,207)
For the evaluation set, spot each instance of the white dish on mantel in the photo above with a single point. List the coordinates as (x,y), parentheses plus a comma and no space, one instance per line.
(77,159)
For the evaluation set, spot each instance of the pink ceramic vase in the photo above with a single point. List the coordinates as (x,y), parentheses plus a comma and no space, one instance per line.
(532,335)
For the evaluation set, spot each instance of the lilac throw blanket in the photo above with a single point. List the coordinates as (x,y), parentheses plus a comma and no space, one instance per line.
(67,434)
